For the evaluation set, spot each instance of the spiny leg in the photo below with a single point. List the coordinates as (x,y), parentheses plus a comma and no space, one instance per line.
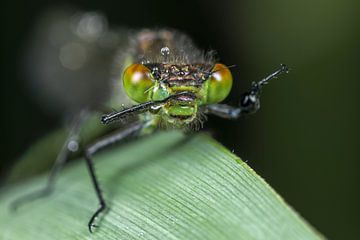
(135,128)
(249,102)
(70,145)
(90,151)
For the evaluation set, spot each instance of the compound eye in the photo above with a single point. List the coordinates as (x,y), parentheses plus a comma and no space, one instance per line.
(137,80)
(220,83)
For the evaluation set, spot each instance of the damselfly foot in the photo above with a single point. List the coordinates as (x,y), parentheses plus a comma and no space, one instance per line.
(91,224)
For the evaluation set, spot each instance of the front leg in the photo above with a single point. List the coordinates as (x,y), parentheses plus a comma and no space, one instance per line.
(249,102)
(94,148)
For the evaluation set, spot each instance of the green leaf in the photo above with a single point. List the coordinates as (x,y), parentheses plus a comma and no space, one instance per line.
(167,186)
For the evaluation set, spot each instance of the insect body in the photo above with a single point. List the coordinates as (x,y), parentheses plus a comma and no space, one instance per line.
(177,81)
(171,83)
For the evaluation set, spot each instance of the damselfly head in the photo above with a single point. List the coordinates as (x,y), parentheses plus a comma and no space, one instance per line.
(201,84)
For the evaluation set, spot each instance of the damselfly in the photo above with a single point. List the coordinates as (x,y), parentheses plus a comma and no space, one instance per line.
(167,80)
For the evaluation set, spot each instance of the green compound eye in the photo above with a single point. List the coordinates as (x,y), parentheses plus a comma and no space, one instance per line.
(220,83)
(137,80)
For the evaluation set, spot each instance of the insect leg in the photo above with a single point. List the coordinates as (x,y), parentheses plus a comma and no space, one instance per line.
(138,109)
(90,151)
(70,145)
(249,102)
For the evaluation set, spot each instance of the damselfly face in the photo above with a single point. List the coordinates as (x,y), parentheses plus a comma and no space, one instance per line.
(201,84)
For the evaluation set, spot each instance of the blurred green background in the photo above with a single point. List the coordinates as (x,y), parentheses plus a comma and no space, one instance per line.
(303,141)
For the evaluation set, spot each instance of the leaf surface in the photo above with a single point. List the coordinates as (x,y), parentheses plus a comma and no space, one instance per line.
(167,186)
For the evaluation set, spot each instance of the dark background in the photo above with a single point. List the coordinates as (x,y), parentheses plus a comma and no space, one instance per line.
(304,141)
